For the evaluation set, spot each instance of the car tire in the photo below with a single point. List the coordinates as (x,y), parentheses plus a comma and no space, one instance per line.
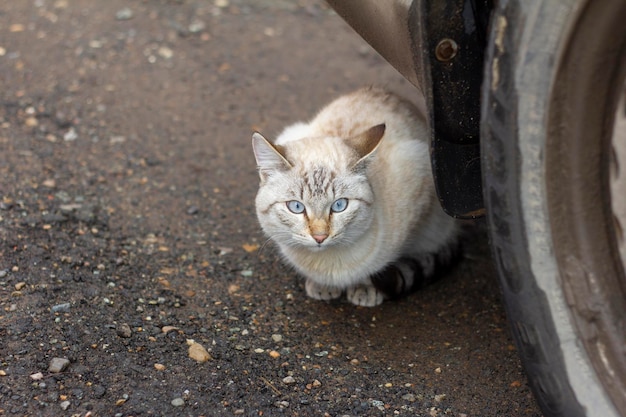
(552,106)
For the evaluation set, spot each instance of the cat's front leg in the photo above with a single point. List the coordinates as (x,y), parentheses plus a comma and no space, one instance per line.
(320,291)
(365,295)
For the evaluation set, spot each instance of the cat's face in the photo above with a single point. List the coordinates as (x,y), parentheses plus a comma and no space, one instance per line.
(313,194)
(315,207)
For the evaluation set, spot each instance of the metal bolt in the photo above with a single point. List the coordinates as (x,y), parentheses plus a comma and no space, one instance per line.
(446,50)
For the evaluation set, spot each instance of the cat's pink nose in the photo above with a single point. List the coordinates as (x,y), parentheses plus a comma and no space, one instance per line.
(319,238)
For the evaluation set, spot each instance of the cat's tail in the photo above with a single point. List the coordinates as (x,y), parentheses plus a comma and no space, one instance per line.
(406,275)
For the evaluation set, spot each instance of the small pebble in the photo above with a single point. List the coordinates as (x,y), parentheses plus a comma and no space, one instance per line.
(60,308)
(98,391)
(58,365)
(49,183)
(196,26)
(117,139)
(197,352)
(65,405)
(31,121)
(4,273)
(124,331)
(165,52)
(167,329)
(124,14)
(16,27)
(274,354)
(289,380)
(225,251)
(440,397)
(277,338)
(178,402)
(70,135)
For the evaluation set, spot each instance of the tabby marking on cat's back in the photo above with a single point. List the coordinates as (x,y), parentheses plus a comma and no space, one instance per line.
(349,199)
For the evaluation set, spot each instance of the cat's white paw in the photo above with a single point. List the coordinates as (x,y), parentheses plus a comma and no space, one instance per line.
(321,292)
(364,295)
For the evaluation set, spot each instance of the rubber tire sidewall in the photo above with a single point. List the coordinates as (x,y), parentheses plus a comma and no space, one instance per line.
(525,43)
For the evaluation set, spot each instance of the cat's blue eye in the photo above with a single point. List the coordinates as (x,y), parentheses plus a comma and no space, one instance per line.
(339,205)
(295,207)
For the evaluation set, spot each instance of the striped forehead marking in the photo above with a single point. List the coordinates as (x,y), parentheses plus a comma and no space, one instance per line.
(318,181)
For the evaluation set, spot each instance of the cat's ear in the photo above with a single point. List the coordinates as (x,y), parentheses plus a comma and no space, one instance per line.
(269,158)
(366,143)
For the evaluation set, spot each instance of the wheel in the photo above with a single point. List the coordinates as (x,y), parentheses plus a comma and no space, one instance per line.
(553,151)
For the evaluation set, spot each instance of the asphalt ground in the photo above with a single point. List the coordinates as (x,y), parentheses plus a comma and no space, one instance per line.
(128,234)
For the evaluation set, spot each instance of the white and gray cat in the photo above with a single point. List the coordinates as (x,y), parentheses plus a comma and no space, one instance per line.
(350,200)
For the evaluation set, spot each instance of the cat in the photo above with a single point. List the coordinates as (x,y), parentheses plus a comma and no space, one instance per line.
(350,201)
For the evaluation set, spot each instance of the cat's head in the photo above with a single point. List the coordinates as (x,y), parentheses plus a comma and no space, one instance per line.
(314,192)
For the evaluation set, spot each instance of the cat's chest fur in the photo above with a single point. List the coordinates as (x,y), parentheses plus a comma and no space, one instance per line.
(349,195)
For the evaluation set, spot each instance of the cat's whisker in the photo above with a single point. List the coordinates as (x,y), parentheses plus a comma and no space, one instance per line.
(262,247)
(285,238)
